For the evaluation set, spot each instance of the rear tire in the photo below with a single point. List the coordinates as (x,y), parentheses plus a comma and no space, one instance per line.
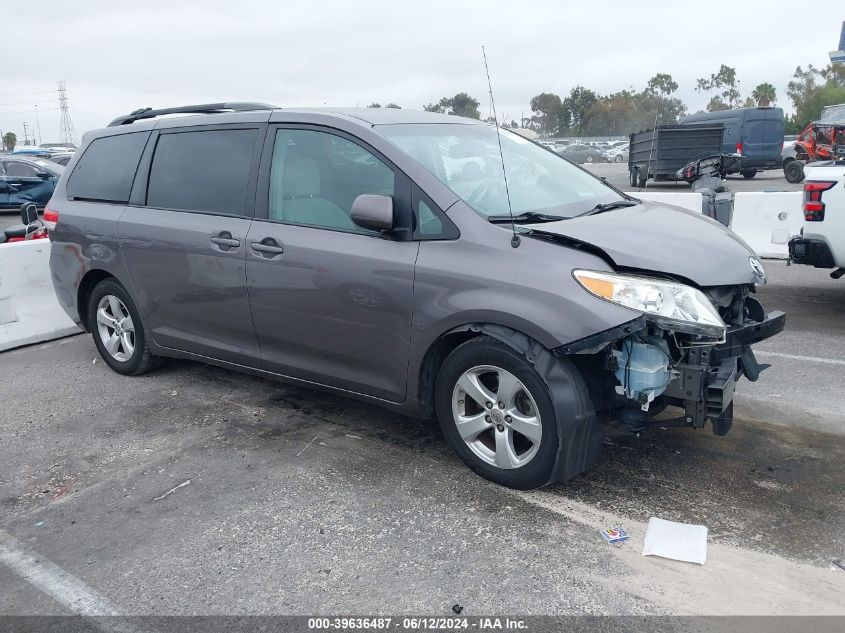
(497,414)
(794,172)
(749,173)
(642,178)
(115,324)
(618,158)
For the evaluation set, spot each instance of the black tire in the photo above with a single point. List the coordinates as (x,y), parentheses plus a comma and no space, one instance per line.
(794,172)
(749,173)
(642,178)
(618,158)
(484,350)
(141,360)
(632,176)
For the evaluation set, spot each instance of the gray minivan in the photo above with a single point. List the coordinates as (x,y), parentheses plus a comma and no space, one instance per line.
(754,133)
(417,261)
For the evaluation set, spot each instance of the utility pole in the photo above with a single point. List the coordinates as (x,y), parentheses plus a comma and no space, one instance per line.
(38,126)
(66,132)
(25,134)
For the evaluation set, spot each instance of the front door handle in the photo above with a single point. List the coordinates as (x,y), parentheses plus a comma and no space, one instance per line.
(268,247)
(225,241)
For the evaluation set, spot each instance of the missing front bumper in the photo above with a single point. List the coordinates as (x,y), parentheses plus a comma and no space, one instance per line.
(707,379)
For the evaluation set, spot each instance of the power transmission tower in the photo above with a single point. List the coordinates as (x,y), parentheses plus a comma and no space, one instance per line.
(66,131)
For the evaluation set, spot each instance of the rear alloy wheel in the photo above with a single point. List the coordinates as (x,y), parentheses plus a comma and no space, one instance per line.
(496,413)
(618,158)
(118,333)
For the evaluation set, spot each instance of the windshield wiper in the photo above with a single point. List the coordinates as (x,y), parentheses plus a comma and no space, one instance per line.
(608,206)
(526,216)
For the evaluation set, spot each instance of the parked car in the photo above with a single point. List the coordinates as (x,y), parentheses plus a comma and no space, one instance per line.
(756,134)
(59,147)
(31,150)
(26,179)
(61,158)
(582,154)
(331,248)
(822,240)
(618,154)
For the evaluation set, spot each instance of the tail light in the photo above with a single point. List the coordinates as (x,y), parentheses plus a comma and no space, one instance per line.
(739,148)
(813,205)
(50,217)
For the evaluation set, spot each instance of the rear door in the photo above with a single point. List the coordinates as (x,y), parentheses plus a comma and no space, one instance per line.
(331,302)
(762,138)
(184,240)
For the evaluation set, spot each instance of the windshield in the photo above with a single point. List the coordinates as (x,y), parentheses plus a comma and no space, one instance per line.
(466,159)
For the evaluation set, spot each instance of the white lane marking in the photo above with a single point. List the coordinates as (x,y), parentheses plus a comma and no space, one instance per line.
(809,359)
(307,445)
(61,586)
(172,490)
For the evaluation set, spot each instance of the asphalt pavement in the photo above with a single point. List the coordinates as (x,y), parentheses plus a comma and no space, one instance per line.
(195,490)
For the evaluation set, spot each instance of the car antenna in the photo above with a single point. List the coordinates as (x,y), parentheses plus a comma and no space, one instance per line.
(515,241)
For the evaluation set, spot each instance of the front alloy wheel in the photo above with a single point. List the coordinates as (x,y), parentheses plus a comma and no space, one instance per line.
(497,417)
(116,329)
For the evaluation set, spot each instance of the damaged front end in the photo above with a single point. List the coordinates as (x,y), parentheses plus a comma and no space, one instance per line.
(636,370)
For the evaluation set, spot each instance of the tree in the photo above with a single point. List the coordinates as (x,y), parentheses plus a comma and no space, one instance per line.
(459,105)
(546,109)
(749,103)
(661,83)
(574,109)
(374,105)
(393,105)
(764,94)
(10,139)
(724,80)
(811,90)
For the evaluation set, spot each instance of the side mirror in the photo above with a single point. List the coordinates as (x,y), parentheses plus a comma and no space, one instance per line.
(29,213)
(374,212)
(44,175)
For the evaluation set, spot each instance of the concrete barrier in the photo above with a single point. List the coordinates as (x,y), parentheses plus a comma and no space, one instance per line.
(684,199)
(29,311)
(764,219)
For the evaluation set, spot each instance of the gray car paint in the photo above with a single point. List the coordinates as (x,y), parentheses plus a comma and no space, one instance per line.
(381,304)
(677,242)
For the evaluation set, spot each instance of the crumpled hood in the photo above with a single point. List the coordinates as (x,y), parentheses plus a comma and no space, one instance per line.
(660,238)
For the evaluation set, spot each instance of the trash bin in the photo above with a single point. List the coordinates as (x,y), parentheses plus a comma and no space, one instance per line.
(717,201)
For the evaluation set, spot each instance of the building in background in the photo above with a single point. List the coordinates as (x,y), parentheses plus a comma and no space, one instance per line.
(838,56)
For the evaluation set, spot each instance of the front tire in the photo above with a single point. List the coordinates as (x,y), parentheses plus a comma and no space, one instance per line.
(115,324)
(497,414)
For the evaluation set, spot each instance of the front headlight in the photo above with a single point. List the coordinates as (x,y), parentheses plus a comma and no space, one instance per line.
(671,305)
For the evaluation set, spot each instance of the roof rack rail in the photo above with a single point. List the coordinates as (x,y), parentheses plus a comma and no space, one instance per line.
(207,108)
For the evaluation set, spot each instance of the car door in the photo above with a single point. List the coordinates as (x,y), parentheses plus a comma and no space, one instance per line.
(184,241)
(26,183)
(331,302)
(4,188)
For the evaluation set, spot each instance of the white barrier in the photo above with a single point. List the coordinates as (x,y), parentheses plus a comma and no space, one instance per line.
(767,219)
(29,311)
(764,219)
(683,199)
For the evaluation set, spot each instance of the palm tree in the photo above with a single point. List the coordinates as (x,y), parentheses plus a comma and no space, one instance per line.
(764,94)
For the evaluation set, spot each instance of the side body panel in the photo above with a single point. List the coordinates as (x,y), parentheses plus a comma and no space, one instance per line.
(482,279)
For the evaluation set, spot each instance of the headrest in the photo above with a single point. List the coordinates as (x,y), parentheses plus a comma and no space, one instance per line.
(301,177)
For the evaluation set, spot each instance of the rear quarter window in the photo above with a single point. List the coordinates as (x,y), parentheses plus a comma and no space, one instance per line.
(106,169)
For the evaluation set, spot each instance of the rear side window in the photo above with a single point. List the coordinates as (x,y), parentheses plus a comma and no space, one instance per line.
(204,170)
(106,169)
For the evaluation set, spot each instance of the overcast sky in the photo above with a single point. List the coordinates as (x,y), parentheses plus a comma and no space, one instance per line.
(116,57)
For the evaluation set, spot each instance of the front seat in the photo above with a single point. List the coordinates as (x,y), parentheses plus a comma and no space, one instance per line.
(301,201)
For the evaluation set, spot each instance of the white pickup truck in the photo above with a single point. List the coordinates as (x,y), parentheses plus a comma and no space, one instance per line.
(822,240)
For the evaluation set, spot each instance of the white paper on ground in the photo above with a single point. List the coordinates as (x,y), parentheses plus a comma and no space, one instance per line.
(678,541)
